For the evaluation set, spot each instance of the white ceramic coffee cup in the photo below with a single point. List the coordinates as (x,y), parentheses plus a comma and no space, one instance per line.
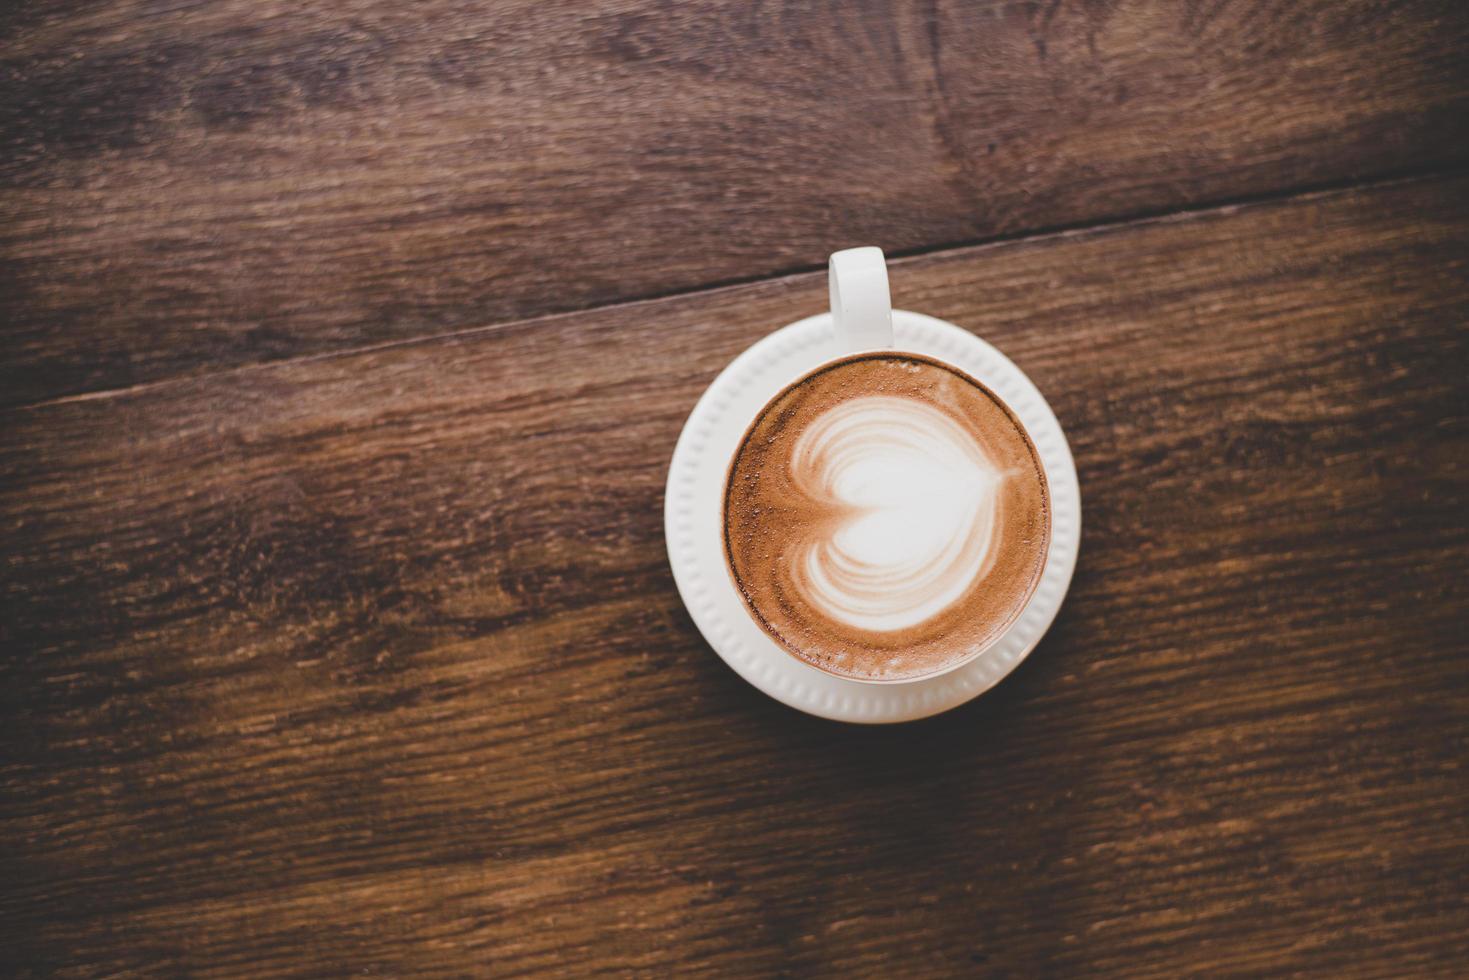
(861,320)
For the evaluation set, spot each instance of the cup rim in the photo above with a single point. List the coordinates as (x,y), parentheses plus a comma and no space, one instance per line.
(1017,608)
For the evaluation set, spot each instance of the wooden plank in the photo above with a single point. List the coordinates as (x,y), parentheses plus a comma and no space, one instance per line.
(374,662)
(187,186)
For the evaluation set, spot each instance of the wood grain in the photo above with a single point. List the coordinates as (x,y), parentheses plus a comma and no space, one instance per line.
(189,185)
(373,663)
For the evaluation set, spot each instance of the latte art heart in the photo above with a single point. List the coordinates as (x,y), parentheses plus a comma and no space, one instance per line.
(885,517)
(917,500)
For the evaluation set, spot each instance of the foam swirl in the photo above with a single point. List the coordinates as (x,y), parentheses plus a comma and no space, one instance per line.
(915,505)
(885,517)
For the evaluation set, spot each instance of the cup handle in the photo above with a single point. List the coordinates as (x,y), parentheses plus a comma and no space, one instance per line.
(861,307)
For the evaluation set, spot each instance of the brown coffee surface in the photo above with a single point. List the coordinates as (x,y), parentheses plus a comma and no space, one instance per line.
(886,517)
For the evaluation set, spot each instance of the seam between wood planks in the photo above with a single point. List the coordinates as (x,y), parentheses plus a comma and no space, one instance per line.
(1304,192)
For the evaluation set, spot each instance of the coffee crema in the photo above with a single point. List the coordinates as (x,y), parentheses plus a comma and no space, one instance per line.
(885,517)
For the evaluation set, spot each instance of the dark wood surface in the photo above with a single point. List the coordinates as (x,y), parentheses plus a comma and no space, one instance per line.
(336,630)
(189,185)
(375,663)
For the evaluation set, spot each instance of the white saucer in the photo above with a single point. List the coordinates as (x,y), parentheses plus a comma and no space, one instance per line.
(692,522)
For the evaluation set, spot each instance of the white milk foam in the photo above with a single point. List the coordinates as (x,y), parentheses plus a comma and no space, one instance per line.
(924,501)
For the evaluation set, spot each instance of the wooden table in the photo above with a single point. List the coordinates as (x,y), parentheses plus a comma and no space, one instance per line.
(346,346)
